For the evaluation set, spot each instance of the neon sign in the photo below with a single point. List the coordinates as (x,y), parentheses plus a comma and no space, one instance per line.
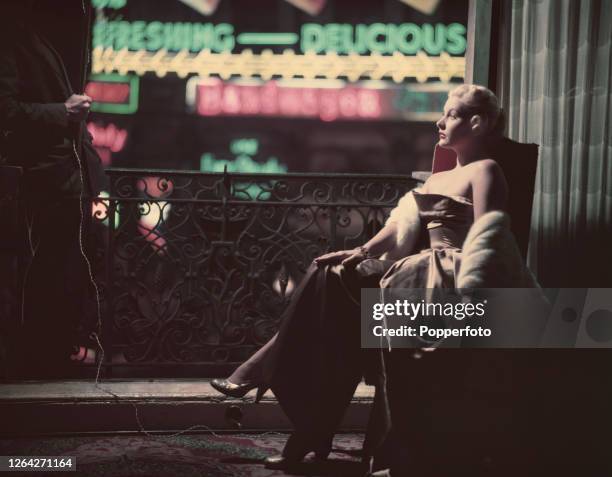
(375,51)
(248,146)
(325,100)
(343,38)
(209,163)
(153,215)
(107,139)
(155,36)
(205,7)
(213,97)
(100,208)
(287,64)
(114,4)
(384,38)
(243,149)
(112,93)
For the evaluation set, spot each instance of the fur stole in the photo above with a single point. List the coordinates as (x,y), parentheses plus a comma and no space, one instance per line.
(490,256)
(406,217)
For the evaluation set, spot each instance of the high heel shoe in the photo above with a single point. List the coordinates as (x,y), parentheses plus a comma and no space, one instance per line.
(294,452)
(238,390)
(280,462)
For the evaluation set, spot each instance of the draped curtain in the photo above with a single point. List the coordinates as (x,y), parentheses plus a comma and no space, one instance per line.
(556,90)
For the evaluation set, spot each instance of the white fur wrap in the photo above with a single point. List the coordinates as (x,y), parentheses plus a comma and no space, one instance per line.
(406,217)
(490,256)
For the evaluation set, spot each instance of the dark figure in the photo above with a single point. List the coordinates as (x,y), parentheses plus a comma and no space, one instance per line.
(42,121)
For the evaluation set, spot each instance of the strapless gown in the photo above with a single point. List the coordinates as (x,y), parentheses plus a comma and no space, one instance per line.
(315,362)
(447,220)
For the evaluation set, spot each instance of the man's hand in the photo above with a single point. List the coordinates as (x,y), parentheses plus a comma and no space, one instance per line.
(77,107)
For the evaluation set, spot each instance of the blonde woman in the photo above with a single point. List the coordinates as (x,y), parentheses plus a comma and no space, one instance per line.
(314,363)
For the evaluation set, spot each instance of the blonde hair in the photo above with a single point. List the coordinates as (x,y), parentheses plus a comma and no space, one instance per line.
(480,100)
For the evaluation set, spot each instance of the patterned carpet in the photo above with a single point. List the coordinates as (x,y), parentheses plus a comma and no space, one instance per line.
(185,455)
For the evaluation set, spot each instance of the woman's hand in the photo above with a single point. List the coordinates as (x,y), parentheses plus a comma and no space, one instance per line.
(348,258)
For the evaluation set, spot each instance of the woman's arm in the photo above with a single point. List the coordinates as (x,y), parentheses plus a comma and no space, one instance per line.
(489,188)
(383,241)
(403,217)
(376,246)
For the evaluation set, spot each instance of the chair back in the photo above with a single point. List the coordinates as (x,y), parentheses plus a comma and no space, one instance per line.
(519,163)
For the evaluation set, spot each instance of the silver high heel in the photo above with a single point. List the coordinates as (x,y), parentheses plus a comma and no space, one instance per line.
(238,390)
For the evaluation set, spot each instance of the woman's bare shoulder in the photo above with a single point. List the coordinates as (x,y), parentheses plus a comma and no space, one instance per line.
(485,165)
(489,185)
(487,169)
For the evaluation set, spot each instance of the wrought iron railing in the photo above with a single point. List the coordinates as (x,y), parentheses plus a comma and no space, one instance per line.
(195,269)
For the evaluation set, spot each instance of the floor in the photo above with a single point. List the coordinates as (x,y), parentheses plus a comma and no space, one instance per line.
(184,455)
(75,407)
(102,425)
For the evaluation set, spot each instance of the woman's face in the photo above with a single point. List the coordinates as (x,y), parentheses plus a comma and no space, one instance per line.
(454,127)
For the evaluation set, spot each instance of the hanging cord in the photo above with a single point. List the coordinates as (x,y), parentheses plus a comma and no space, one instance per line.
(96,334)
(33,249)
(84,255)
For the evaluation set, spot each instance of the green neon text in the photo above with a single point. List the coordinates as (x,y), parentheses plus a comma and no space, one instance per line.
(114,4)
(245,164)
(154,36)
(242,163)
(384,38)
(248,146)
(267,39)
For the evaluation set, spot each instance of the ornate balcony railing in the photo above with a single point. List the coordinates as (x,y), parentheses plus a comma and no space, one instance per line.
(195,269)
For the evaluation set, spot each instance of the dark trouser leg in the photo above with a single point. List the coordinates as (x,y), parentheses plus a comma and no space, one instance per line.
(54,287)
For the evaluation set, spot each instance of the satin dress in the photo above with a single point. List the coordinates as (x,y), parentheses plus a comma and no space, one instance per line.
(410,384)
(447,220)
(315,362)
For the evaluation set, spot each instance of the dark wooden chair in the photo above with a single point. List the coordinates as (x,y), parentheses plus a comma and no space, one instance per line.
(540,410)
(519,163)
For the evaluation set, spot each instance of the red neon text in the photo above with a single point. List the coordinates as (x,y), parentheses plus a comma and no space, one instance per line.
(109,136)
(103,92)
(215,98)
(107,139)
